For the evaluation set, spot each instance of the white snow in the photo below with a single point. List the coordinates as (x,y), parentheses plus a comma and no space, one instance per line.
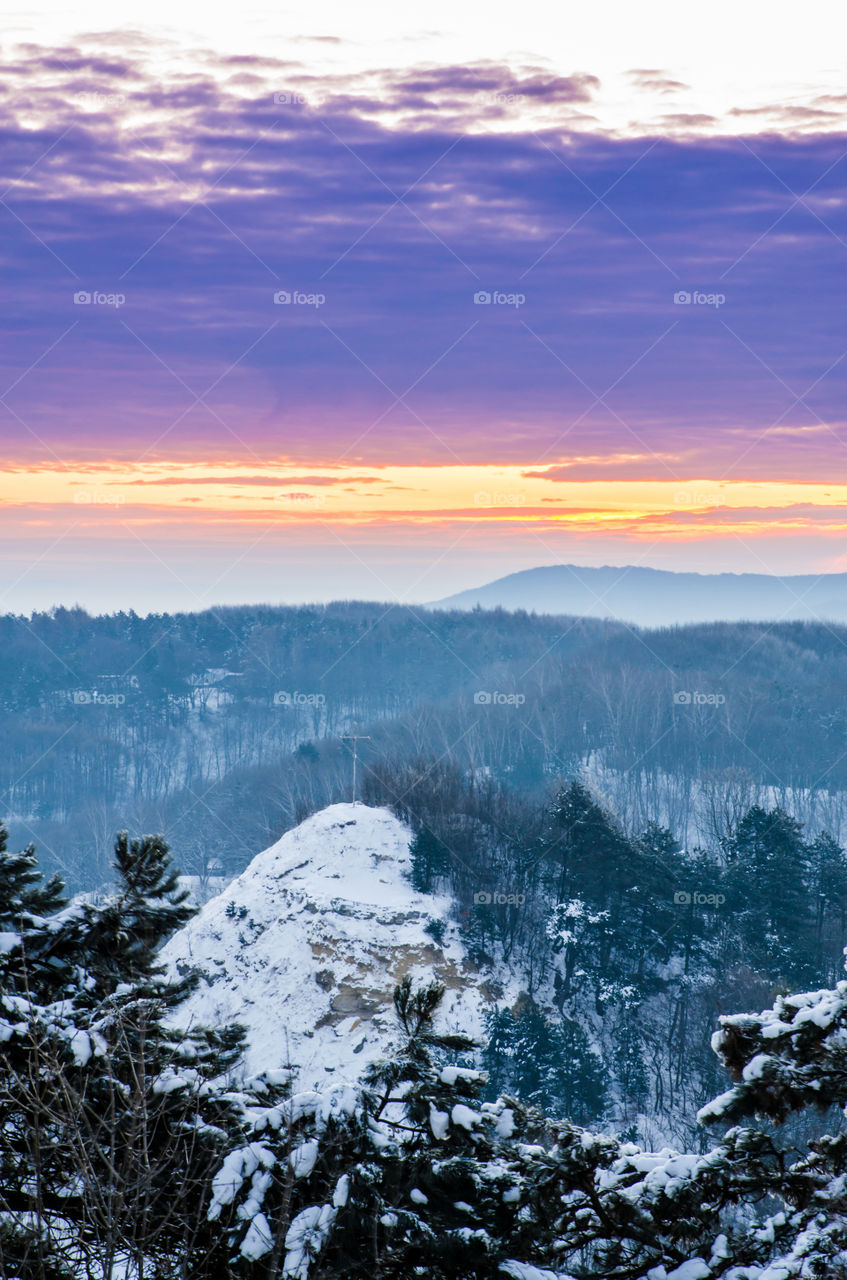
(439,1122)
(506,1123)
(342,1191)
(524,1271)
(449,1075)
(237,1166)
(464,1116)
(302,1158)
(80,1047)
(305,1238)
(715,1109)
(694,1269)
(258,1240)
(305,947)
(755,1068)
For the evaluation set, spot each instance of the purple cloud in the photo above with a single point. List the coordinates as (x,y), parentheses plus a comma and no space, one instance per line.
(198,215)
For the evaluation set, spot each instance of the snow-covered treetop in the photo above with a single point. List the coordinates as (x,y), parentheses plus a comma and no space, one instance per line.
(790,1056)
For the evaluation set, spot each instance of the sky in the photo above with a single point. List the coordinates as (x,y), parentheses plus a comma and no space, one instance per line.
(327,301)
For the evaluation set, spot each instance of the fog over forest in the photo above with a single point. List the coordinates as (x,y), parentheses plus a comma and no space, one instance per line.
(222,729)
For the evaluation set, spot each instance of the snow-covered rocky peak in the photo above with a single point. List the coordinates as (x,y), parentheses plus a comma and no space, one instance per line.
(305,946)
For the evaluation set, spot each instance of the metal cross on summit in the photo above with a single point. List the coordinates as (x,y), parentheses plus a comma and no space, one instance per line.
(355,737)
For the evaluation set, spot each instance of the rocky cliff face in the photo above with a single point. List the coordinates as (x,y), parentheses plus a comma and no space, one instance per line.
(305,947)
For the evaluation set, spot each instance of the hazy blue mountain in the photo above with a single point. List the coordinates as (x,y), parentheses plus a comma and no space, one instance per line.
(657,597)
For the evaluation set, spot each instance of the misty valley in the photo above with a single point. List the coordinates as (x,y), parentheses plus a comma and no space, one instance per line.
(508,868)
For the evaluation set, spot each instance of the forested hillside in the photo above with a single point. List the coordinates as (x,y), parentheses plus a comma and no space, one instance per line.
(222,729)
(628,945)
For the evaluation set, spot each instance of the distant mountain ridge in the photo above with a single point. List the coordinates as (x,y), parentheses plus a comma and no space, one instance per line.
(661,597)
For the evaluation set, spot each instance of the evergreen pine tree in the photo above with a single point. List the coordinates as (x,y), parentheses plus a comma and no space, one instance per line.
(828,888)
(630,1065)
(24,896)
(431,860)
(768,896)
(111,1124)
(588,855)
(651,917)
(148,907)
(545,1064)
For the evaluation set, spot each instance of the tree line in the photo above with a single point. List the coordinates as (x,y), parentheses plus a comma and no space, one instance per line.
(222,728)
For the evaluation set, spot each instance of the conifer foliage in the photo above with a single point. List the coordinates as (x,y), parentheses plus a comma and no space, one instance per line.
(127,1150)
(546,1064)
(407,1174)
(411,1174)
(110,1126)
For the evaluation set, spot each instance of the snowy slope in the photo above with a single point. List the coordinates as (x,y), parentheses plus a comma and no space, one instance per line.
(305,948)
